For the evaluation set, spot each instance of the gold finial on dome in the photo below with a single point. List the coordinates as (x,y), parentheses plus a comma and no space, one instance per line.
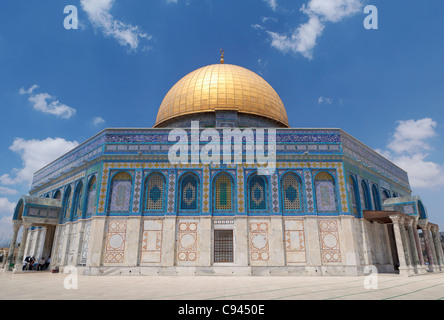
(222,52)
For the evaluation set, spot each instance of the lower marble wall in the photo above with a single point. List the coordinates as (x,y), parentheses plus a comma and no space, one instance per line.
(261,245)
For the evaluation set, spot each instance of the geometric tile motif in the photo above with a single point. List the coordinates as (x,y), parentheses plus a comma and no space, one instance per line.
(187,242)
(137,193)
(294,240)
(171,191)
(206,189)
(322,165)
(274,193)
(259,246)
(115,241)
(240,189)
(151,250)
(103,188)
(309,191)
(330,245)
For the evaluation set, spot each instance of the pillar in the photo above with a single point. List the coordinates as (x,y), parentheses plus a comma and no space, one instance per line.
(406,242)
(19,260)
(403,270)
(433,249)
(438,247)
(424,228)
(418,246)
(414,248)
(16,227)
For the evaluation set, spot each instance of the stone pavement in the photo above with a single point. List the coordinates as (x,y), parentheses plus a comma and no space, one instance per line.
(44,285)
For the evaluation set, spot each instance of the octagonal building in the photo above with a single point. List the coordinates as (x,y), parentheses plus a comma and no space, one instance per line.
(268,199)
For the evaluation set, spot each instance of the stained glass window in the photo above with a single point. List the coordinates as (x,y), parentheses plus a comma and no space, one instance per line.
(154,192)
(120,192)
(325,192)
(258,193)
(290,186)
(67,203)
(91,204)
(352,194)
(223,193)
(188,193)
(78,200)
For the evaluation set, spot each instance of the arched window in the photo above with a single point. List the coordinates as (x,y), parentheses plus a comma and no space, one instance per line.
(366,194)
(57,195)
(385,195)
(154,192)
(353,195)
(291,194)
(66,204)
(120,192)
(77,200)
(422,211)
(325,192)
(91,194)
(189,193)
(223,199)
(257,193)
(376,198)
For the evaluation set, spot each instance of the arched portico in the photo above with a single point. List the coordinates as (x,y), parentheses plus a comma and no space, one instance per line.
(38,212)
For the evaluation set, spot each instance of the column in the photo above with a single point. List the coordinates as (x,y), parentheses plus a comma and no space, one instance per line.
(415,257)
(418,246)
(424,228)
(403,270)
(406,242)
(19,260)
(438,246)
(433,249)
(16,227)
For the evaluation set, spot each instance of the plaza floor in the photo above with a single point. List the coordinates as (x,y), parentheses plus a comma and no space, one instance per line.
(45,285)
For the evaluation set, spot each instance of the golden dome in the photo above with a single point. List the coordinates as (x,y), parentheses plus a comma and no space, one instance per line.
(222,87)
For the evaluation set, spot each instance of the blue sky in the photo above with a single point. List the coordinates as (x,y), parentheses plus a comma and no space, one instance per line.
(59,87)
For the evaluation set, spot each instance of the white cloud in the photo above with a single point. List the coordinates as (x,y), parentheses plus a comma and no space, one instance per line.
(411,136)
(304,38)
(6,212)
(7,191)
(326,100)
(272,4)
(98,12)
(332,10)
(98,121)
(407,150)
(35,154)
(46,103)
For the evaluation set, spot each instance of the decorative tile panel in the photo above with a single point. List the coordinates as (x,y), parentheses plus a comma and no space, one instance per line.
(137,191)
(309,191)
(274,193)
(115,241)
(187,242)
(330,246)
(171,191)
(259,246)
(240,189)
(151,251)
(206,190)
(294,237)
(85,243)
